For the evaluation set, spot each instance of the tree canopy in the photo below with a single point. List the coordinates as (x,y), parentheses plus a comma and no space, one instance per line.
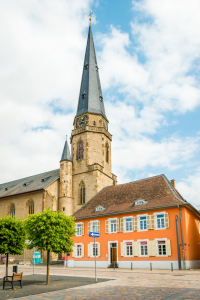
(50,231)
(12,237)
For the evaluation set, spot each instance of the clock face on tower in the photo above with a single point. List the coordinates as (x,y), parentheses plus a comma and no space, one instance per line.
(82,121)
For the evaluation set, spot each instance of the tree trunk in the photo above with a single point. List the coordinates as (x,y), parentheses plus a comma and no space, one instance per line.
(7,264)
(48,256)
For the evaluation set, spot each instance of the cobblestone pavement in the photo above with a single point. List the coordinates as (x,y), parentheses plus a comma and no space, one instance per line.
(136,284)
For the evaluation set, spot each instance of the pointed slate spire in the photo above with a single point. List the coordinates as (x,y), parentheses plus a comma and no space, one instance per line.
(90,98)
(66,153)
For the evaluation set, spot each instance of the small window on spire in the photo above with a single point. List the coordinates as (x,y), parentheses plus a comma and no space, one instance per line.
(86,66)
(97,68)
(83,95)
(101,98)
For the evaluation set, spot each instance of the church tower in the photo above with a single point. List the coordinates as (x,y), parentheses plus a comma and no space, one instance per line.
(65,203)
(90,139)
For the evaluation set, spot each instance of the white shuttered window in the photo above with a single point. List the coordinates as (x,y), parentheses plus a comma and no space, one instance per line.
(112,226)
(94,248)
(94,226)
(78,250)
(79,229)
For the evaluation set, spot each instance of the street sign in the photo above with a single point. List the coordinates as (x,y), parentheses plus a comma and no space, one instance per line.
(94,234)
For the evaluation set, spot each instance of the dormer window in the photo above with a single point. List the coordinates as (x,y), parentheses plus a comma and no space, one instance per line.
(86,66)
(83,95)
(101,98)
(140,202)
(97,68)
(99,208)
(45,179)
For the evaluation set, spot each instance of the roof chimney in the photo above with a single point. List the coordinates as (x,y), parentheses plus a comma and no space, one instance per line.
(173,183)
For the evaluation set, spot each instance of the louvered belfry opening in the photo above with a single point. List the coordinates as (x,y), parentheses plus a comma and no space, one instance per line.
(82,193)
(80,150)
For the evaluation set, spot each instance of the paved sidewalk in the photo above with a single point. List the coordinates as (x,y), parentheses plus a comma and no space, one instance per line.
(136,284)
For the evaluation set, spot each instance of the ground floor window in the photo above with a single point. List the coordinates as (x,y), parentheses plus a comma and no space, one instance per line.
(79,250)
(143,248)
(95,249)
(162,248)
(129,249)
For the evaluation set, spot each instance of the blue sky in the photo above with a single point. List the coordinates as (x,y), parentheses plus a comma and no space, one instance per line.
(148,54)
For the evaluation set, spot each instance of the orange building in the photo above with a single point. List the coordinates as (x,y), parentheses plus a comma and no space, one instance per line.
(140,222)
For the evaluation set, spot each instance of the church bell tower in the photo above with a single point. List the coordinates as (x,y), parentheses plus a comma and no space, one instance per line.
(90,139)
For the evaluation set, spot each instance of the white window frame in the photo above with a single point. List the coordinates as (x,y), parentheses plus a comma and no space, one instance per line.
(80,223)
(126,249)
(155,220)
(109,225)
(91,249)
(157,251)
(145,240)
(199,225)
(124,218)
(77,244)
(138,220)
(91,222)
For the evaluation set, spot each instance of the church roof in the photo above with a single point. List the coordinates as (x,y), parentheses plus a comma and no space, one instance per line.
(66,153)
(90,98)
(28,184)
(156,192)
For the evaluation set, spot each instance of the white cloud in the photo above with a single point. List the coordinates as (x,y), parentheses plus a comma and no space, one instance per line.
(190,188)
(42,49)
(139,154)
(169,45)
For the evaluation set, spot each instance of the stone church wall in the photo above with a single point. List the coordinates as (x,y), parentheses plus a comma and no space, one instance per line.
(21,204)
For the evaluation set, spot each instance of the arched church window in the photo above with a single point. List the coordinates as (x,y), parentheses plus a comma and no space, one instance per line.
(80,150)
(12,210)
(82,193)
(31,208)
(107,153)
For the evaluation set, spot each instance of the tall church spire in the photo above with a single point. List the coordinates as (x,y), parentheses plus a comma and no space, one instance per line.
(90,98)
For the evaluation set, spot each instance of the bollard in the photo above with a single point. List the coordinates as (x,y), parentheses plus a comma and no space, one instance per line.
(131,266)
(172,267)
(150,266)
(114,266)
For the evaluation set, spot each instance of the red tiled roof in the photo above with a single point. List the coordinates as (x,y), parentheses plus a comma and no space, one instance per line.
(157,190)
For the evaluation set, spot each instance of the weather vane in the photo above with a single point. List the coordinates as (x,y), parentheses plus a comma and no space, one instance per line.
(90,15)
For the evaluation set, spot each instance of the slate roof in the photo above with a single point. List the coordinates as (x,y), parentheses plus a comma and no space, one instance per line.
(66,153)
(28,184)
(90,83)
(158,190)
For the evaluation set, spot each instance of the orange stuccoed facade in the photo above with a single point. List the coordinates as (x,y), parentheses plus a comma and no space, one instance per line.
(139,238)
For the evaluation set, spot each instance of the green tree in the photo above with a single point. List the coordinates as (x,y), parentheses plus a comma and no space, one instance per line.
(12,237)
(50,231)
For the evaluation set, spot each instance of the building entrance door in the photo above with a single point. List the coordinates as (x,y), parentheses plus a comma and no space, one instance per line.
(113,253)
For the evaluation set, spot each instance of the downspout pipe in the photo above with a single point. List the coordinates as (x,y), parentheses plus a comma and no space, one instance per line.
(182,238)
(178,243)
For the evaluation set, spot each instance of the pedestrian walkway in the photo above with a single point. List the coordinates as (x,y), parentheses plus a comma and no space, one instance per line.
(127,284)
